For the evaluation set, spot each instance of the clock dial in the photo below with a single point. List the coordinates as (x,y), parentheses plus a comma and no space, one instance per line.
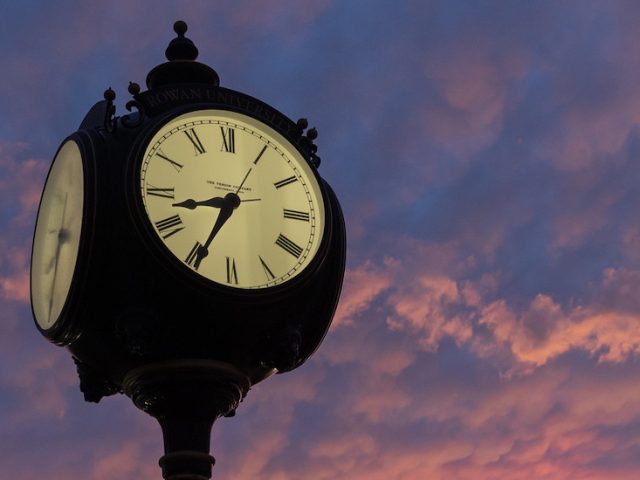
(232,199)
(57,235)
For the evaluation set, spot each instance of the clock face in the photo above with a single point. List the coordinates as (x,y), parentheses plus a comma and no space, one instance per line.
(232,199)
(57,235)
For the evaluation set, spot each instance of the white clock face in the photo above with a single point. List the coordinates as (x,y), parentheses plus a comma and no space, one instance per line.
(232,199)
(57,235)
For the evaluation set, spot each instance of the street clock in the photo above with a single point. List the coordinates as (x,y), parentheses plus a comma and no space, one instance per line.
(186,250)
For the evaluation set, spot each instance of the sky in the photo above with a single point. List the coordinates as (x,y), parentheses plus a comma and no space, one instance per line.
(487,158)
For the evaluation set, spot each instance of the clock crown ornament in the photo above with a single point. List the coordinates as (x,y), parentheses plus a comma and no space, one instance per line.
(186,250)
(182,66)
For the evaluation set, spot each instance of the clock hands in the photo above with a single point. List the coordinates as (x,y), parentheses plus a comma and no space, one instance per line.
(243,180)
(229,203)
(62,236)
(212,202)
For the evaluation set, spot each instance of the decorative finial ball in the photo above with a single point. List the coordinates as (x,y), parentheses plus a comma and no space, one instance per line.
(109,94)
(312,133)
(134,88)
(180,28)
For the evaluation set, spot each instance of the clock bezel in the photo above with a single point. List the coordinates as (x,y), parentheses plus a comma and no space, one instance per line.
(161,252)
(66,328)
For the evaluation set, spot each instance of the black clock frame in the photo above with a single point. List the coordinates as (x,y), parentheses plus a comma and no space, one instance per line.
(166,258)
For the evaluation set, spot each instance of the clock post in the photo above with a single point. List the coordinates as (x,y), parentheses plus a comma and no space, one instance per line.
(186,251)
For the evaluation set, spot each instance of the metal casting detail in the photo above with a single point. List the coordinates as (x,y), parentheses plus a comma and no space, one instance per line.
(134,121)
(306,141)
(109,114)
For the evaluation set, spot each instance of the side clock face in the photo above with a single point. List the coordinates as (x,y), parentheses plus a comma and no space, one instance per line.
(57,235)
(232,199)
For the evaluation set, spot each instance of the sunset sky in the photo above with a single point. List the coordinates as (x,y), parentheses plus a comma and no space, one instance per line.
(487,157)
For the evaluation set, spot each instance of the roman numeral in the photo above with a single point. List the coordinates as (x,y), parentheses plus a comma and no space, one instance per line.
(288,246)
(193,259)
(171,226)
(173,163)
(267,270)
(197,144)
(255,162)
(228,139)
(160,192)
(296,215)
(232,273)
(286,181)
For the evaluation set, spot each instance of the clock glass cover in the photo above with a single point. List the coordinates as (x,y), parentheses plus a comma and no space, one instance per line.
(57,235)
(232,199)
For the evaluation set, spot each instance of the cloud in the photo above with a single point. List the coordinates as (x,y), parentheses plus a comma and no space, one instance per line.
(362,285)
(608,328)
(425,308)
(21,182)
(474,75)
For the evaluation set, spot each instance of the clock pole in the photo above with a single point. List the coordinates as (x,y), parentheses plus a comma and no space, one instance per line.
(186,397)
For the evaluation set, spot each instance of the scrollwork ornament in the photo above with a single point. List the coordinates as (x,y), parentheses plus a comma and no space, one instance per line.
(110,111)
(128,120)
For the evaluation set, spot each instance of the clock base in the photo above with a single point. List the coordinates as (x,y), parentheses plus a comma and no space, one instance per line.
(186,397)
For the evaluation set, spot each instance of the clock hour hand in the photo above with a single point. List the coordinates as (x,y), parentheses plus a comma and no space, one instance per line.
(216,202)
(229,204)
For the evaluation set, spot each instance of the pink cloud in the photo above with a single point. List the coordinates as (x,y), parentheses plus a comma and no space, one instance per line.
(424,308)
(125,460)
(15,287)
(362,285)
(546,330)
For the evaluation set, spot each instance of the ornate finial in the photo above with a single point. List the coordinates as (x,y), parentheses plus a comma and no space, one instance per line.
(312,133)
(181,48)
(134,88)
(180,27)
(109,121)
(109,95)
(305,140)
(181,67)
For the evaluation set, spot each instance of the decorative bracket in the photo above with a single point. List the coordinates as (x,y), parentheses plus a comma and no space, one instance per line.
(93,385)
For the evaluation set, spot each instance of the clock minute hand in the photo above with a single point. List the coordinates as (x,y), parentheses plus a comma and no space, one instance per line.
(230,203)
